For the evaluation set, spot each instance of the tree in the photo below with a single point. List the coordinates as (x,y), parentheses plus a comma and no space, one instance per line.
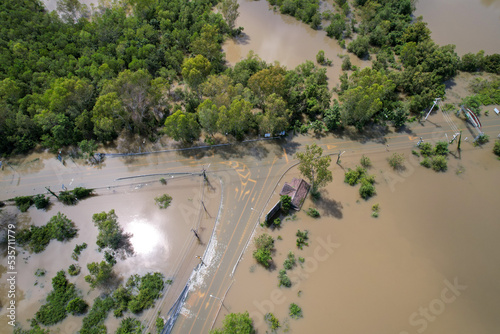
(229,10)
(100,274)
(264,244)
(314,166)
(397,160)
(77,306)
(207,43)
(496,148)
(88,148)
(110,232)
(276,117)
(195,70)
(268,81)
(286,203)
(237,119)
(182,126)
(236,323)
(109,116)
(208,114)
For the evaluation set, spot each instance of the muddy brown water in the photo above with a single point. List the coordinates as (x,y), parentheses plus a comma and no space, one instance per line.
(160,238)
(471,25)
(390,274)
(276,37)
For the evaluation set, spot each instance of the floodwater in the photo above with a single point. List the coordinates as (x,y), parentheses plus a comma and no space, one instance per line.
(276,37)
(161,240)
(390,274)
(471,25)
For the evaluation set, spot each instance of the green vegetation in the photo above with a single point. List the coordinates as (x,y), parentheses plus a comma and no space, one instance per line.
(441,148)
(100,274)
(290,261)
(163,201)
(54,310)
(130,326)
(427,163)
(284,280)
(233,323)
(482,139)
(306,11)
(295,311)
(23,203)
(74,269)
(37,238)
(302,238)
(277,222)
(426,149)
(367,188)
(354,176)
(163,181)
(159,324)
(439,163)
(146,290)
(496,148)
(40,272)
(301,259)
(111,234)
(314,167)
(365,161)
(264,245)
(78,250)
(70,197)
(41,202)
(397,160)
(273,322)
(77,306)
(94,321)
(375,210)
(286,204)
(312,212)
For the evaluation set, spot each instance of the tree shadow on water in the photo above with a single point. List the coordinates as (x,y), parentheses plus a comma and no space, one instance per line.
(330,207)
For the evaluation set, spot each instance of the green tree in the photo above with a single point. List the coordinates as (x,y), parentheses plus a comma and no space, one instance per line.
(264,244)
(130,326)
(229,10)
(268,81)
(207,43)
(195,70)
(100,274)
(110,232)
(77,306)
(496,148)
(286,203)
(276,117)
(182,126)
(109,116)
(237,119)
(236,323)
(314,166)
(208,115)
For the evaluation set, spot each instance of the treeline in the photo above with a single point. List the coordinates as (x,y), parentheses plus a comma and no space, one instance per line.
(96,73)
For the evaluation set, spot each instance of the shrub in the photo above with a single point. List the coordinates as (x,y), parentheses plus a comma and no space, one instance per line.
(320,57)
(496,148)
(439,163)
(67,198)
(375,210)
(286,203)
(159,324)
(74,269)
(163,181)
(290,261)
(150,286)
(277,222)
(346,63)
(312,212)
(295,311)
(365,161)
(23,203)
(129,326)
(353,176)
(441,148)
(274,323)
(415,153)
(302,238)
(426,162)
(367,189)
(77,306)
(397,160)
(94,321)
(426,149)
(482,139)
(40,272)
(163,201)
(41,202)
(264,244)
(284,280)
(82,193)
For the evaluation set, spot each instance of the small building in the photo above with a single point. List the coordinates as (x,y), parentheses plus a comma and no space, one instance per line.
(297,190)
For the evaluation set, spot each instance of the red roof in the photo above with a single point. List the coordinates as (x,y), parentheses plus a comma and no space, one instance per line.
(297,190)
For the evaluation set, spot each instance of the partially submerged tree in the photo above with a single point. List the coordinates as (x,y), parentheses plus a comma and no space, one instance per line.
(233,323)
(314,166)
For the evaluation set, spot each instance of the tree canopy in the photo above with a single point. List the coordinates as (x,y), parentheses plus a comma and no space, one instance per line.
(314,166)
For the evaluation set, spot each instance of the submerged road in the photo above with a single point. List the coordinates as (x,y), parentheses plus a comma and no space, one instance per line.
(249,171)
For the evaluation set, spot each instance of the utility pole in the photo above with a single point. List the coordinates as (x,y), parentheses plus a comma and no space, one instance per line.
(221,302)
(53,193)
(338,157)
(201,260)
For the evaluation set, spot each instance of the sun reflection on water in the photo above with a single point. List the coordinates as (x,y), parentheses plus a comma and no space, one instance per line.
(145,236)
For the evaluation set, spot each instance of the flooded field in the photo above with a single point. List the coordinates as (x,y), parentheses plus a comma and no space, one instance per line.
(428,262)
(471,25)
(162,241)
